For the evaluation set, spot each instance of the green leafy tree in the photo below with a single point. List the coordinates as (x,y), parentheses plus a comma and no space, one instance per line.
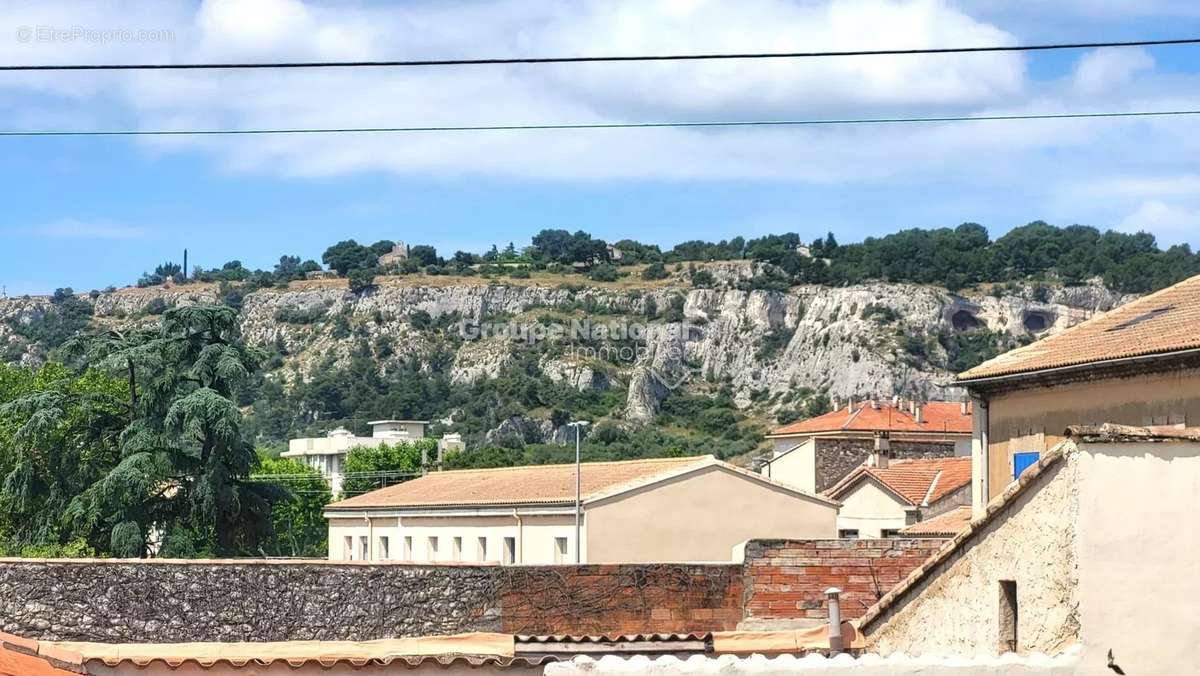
(349,255)
(361,279)
(298,524)
(367,469)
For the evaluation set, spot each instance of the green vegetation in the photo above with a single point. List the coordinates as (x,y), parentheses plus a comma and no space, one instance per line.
(297,525)
(148,439)
(368,469)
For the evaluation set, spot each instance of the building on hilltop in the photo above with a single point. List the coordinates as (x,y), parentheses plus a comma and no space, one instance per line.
(884,497)
(1136,365)
(396,256)
(815,454)
(637,511)
(327,454)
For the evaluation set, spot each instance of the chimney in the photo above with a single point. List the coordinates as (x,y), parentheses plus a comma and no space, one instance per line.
(965,409)
(850,408)
(837,404)
(895,401)
(919,413)
(424,461)
(875,404)
(882,453)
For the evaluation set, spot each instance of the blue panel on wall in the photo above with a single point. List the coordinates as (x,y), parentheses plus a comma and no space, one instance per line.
(1023,461)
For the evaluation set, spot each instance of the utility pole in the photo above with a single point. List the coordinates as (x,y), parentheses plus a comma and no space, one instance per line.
(185,268)
(578,425)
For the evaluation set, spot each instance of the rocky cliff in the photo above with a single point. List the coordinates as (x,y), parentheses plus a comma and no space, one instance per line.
(769,348)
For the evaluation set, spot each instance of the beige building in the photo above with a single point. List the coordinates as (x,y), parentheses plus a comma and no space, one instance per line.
(667,509)
(884,497)
(396,256)
(327,454)
(1136,365)
(815,454)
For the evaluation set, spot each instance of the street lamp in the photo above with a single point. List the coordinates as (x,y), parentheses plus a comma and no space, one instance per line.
(578,425)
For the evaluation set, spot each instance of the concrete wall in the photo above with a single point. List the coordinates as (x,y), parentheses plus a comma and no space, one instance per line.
(1036,419)
(870,509)
(1139,555)
(701,516)
(796,468)
(956,609)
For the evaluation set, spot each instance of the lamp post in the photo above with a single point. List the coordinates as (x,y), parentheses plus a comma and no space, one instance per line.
(578,425)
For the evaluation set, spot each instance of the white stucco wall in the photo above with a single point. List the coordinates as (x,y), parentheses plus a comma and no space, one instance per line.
(870,510)
(1139,553)
(534,538)
(819,665)
(797,468)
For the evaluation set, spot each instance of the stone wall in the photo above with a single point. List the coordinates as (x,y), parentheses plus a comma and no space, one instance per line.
(956,608)
(179,601)
(240,600)
(786,579)
(838,457)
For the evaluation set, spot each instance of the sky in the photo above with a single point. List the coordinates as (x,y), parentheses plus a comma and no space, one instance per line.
(90,212)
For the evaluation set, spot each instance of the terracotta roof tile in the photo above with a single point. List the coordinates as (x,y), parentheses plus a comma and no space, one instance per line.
(1161,323)
(939,417)
(943,525)
(913,480)
(534,484)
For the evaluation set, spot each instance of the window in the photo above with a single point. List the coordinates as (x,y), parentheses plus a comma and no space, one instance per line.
(1022,462)
(560,550)
(348,548)
(1008,616)
(408,548)
(364,548)
(481,549)
(510,550)
(848,533)
(431,548)
(889,533)
(456,548)
(383,548)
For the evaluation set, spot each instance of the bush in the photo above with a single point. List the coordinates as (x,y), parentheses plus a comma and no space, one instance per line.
(655,270)
(703,279)
(361,279)
(519,273)
(291,314)
(156,306)
(603,273)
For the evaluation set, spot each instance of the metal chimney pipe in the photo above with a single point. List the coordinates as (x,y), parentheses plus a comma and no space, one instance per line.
(835,620)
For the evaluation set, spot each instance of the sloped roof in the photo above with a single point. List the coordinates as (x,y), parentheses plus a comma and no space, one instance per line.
(943,525)
(536,484)
(1161,323)
(915,481)
(939,417)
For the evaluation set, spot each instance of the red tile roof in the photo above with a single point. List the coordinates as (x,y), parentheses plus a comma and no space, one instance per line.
(1161,323)
(943,525)
(537,484)
(916,481)
(939,417)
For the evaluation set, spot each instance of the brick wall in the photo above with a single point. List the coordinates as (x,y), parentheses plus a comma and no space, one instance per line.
(786,579)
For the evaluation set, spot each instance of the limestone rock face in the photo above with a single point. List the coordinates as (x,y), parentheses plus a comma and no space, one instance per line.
(875,339)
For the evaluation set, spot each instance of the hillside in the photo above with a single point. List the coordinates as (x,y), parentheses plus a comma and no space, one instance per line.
(661,365)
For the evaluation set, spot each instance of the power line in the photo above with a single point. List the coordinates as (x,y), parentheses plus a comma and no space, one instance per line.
(599,59)
(598,125)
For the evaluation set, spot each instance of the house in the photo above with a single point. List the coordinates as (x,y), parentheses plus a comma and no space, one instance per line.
(665,509)
(1089,558)
(1138,364)
(396,256)
(327,454)
(815,454)
(945,525)
(883,497)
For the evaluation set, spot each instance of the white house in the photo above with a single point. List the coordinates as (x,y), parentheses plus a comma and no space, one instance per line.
(326,454)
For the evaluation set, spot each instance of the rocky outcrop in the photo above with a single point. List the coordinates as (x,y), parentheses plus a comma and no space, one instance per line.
(854,341)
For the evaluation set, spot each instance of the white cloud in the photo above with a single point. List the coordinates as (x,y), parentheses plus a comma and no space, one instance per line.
(1103,70)
(1048,158)
(73,229)
(1173,223)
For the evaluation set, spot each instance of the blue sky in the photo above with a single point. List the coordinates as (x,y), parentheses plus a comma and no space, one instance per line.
(87,213)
